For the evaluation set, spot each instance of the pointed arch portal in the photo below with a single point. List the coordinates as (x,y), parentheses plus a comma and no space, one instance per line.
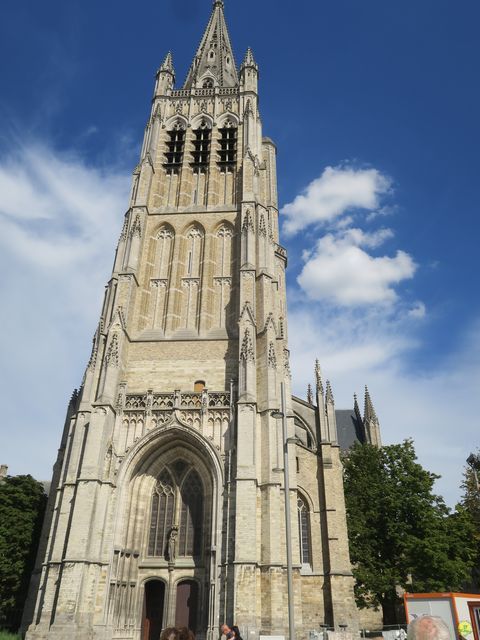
(153,606)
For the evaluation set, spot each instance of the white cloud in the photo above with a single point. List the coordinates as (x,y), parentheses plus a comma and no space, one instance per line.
(59,223)
(435,407)
(337,191)
(354,319)
(341,271)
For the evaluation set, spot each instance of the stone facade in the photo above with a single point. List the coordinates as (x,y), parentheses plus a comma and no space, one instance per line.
(167,499)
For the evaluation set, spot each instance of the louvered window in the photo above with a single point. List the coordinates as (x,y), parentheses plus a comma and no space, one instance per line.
(175,149)
(227,146)
(201,147)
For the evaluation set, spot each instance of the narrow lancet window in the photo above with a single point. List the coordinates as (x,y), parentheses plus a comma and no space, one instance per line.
(162,515)
(191,517)
(303,531)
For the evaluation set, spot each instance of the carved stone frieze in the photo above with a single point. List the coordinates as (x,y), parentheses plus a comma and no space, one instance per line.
(248,275)
(190,282)
(158,283)
(221,280)
(163,401)
(133,402)
(160,418)
(219,399)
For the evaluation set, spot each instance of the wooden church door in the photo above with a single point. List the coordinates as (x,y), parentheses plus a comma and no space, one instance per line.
(187,605)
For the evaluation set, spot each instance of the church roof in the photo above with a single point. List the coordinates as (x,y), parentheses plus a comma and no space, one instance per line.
(214,56)
(349,428)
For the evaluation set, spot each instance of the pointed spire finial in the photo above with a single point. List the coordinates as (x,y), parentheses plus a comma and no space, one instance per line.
(309,394)
(356,407)
(318,377)
(167,64)
(329,393)
(249,60)
(369,411)
(355,401)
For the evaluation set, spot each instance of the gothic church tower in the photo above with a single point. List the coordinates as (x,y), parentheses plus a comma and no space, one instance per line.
(167,503)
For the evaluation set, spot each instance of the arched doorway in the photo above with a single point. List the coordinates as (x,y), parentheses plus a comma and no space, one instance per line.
(153,605)
(187,605)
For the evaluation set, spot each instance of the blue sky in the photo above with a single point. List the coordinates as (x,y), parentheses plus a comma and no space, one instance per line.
(374,108)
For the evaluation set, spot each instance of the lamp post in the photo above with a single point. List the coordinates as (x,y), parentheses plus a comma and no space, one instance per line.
(288,525)
(473,462)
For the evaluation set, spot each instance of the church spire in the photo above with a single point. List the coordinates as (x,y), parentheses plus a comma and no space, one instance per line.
(167,64)
(356,408)
(214,63)
(249,60)
(165,76)
(369,411)
(370,422)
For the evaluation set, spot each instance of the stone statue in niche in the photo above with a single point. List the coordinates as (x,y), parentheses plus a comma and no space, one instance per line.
(172,544)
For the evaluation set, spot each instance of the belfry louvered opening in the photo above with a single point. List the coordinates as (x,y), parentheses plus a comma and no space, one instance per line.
(175,149)
(227,146)
(201,147)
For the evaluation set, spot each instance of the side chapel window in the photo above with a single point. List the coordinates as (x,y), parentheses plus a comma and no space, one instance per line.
(177,502)
(303,530)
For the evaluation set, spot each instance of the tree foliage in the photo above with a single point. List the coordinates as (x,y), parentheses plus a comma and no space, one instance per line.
(401,534)
(22,506)
(471,503)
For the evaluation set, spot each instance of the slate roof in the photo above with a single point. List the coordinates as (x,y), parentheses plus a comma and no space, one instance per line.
(349,430)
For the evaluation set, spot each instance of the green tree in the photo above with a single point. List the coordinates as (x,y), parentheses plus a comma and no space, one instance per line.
(401,534)
(471,503)
(22,507)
